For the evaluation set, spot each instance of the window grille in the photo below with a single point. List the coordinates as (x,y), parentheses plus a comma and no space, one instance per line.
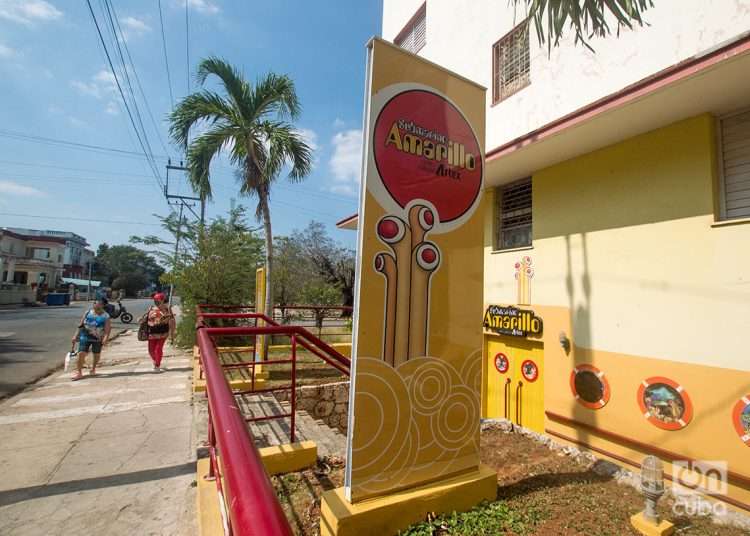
(513,224)
(735,166)
(414,35)
(511,63)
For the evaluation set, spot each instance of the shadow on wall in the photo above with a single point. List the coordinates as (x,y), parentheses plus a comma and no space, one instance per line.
(580,326)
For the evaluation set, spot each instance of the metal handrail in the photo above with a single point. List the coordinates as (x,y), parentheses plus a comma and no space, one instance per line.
(307,340)
(251,502)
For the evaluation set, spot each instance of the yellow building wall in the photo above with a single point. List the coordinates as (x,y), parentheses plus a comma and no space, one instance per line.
(629,267)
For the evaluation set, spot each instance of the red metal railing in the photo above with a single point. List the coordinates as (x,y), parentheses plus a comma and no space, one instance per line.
(250,500)
(230,440)
(325,318)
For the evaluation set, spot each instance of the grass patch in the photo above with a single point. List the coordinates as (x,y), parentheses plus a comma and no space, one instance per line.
(486,519)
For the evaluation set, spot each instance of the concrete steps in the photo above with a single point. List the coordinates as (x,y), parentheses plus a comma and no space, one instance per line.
(330,442)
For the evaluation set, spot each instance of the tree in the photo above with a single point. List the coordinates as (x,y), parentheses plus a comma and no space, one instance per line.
(587,17)
(216,264)
(112,263)
(250,122)
(335,264)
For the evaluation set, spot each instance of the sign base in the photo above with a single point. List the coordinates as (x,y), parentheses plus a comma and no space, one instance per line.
(391,513)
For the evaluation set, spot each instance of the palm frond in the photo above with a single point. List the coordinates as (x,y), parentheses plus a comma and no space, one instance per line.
(587,18)
(202,106)
(202,150)
(275,96)
(286,145)
(237,88)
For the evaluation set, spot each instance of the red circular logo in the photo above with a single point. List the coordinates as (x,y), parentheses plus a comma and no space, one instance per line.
(501,363)
(529,370)
(425,149)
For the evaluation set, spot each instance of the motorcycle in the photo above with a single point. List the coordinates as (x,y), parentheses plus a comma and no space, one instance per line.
(120,312)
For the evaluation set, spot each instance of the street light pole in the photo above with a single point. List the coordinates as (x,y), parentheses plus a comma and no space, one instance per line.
(88,291)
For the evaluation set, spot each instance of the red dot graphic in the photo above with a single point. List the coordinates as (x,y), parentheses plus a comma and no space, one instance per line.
(379,263)
(388,229)
(429,255)
(428,217)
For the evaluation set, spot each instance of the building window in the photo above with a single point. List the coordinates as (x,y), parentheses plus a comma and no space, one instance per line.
(513,208)
(734,153)
(511,63)
(414,35)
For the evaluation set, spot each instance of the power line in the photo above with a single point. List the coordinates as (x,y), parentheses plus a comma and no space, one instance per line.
(77,145)
(122,94)
(67,218)
(166,59)
(66,168)
(137,78)
(111,16)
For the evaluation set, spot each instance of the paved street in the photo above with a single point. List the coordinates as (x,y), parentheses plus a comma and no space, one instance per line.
(33,341)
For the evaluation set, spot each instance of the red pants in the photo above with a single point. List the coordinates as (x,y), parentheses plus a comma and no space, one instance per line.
(156,350)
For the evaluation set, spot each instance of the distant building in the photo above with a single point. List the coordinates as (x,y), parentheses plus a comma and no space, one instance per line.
(42,257)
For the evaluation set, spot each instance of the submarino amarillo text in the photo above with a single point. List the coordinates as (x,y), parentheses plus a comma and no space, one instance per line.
(512,321)
(451,157)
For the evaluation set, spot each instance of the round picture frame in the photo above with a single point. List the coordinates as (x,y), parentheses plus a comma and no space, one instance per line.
(742,409)
(605,389)
(663,394)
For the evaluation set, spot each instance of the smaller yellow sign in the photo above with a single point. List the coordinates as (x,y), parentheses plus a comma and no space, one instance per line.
(509,320)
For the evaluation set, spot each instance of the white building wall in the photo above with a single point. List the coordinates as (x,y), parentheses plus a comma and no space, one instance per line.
(460,35)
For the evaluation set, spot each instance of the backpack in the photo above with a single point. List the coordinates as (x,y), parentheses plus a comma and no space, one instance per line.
(143,328)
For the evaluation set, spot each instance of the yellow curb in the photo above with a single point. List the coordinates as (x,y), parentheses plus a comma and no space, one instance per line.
(644,526)
(207,501)
(395,512)
(290,457)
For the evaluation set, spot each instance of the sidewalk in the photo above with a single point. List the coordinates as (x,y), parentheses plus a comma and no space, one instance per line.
(105,455)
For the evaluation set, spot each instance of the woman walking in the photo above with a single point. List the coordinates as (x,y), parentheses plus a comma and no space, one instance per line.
(91,334)
(161,325)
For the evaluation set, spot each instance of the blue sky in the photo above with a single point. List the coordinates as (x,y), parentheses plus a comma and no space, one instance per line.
(56,85)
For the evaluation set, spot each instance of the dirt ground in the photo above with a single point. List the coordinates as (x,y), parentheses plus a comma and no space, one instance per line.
(540,492)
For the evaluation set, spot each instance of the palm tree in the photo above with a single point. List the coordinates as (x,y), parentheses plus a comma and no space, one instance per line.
(251,124)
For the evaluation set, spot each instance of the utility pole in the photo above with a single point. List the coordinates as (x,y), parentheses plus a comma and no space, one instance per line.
(88,290)
(176,249)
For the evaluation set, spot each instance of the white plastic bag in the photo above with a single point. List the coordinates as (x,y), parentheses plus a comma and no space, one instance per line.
(69,357)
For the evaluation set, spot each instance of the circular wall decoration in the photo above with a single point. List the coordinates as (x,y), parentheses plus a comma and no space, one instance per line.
(665,403)
(502,363)
(589,386)
(529,370)
(741,419)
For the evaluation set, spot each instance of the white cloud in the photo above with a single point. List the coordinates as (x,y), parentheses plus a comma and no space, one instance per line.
(6,52)
(311,139)
(28,11)
(134,27)
(338,123)
(101,86)
(13,188)
(74,121)
(346,161)
(206,7)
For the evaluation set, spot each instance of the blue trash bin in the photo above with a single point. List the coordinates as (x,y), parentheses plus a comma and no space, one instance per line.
(58,299)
